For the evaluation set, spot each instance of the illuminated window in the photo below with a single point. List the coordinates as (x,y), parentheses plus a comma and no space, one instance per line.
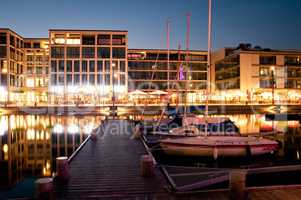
(30,82)
(74,41)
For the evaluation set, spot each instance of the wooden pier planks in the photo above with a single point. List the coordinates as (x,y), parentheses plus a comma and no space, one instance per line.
(109,167)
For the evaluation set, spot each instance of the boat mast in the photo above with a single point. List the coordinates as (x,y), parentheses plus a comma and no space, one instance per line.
(187,61)
(208,66)
(168,51)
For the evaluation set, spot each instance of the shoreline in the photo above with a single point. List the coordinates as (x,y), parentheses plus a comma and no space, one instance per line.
(125,110)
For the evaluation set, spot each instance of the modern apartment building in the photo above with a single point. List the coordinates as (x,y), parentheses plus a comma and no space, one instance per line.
(93,67)
(174,71)
(36,70)
(257,75)
(11,66)
(87,66)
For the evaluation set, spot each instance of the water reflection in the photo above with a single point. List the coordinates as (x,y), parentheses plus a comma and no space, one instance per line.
(29,144)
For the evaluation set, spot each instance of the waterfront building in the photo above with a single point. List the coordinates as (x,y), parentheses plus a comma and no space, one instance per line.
(11,67)
(87,66)
(256,75)
(36,70)
(93,67)
(173,71)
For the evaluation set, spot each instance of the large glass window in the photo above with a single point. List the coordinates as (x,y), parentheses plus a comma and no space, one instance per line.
(39,70)
(76,66)
(12,40)
(2,51)
(73,52)
(3,78)
(118,40)
(99,66)
(69,79)
(53,79)
(27,45)
(99,79)
(107,79)
(107,66)
(36,45)
(118,52)
(92,66)
(57,52)
(88,52)
(122,66)
(76,79)
(103,39)
(53,66)
(92,79)
(292,60)
(122,79)
(84,66)
(88,40)
(3,38)
(30,70)
(61,66)
(84,79)
(267,60)
(103,52)
(69,66)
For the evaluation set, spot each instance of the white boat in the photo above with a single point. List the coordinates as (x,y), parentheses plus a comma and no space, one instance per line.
(195,126)
(218,146)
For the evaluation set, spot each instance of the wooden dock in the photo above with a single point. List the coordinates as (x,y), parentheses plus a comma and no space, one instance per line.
(109,168)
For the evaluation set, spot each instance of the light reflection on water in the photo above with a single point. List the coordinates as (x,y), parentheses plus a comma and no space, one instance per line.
(29,144)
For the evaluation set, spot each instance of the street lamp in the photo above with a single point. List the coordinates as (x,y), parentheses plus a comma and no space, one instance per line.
(272,69)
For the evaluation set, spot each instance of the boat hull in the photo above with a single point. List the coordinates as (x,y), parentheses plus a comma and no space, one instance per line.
(218,151)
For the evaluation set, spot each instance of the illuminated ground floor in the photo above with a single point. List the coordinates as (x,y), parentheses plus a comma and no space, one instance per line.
(94,97)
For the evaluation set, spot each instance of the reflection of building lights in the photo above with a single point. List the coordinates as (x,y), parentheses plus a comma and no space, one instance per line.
(5,148)
(30,134)
(3,125)
(73,129)
(47,165)
(88,128)
(58,128)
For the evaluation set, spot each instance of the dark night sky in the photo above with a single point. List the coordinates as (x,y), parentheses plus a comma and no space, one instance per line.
(268,23)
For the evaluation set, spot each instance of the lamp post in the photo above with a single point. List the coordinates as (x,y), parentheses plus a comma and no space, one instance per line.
(273,84)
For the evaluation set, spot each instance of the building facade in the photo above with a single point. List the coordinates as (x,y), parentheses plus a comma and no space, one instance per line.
(36,70)
(87,66)
(12,67)
(257,75)
(95,67)
(175,72)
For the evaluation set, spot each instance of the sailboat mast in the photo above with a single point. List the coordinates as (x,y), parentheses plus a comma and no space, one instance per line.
(187,61)
(209,63)
(168,51)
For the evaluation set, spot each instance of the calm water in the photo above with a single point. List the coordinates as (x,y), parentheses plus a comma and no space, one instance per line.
(30,144)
